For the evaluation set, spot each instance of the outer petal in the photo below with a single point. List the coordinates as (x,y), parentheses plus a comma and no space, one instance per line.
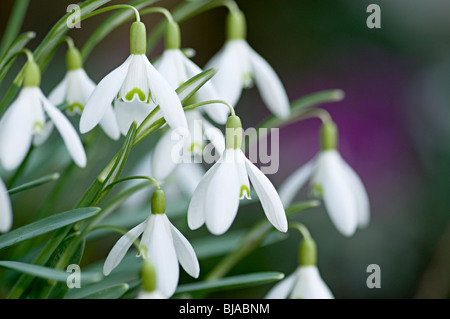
(68,133)
(16,128)
(161,253)
(360,194)
(270,201)
(102,96)
(185,253)
(282,289)
(58,94)
(39,139)
(6,214)
(310,285)
(166,97)
(172,68)
(228,79)
(197,209)
(338,194)
(269,85)
(109,124)
(222,196)
(165,155)
(188,177)
(292,185)
(121,247)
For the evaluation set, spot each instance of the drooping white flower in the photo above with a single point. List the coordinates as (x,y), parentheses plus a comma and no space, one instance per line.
(162,244)
(216,199)
(26,117)
(180,146)
(136,87)
(238,66)
(331,178)
(6,215)
(304,283)
(75,89)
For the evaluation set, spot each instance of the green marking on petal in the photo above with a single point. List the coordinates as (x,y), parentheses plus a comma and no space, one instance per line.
(244,188)
(75,108)
(247,80)
(317,190)
(129,96)
(195,145)
(38,127)
(142,251)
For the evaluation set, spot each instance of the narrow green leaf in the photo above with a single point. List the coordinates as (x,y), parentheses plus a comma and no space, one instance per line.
(234,282)
(46,225)
(112,292)
(9,56)
(48,273)
(37,182)
(14,24)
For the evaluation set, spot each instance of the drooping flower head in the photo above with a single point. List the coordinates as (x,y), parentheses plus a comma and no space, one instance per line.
(216,198)
(332,179)
(75,89)
(162,244)
(135,88)
(26,118)
(239,66)
(6,215)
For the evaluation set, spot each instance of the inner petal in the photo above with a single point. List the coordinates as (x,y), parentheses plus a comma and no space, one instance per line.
(135,86)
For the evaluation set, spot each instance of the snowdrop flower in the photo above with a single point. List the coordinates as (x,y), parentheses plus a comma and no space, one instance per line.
(305,282)
(26,117)
(75,89)
(6,216)
(343,192)
(238,65)
(176,68)
(216,199)
(180,146)
(162,244)
(136,87)
(149,289)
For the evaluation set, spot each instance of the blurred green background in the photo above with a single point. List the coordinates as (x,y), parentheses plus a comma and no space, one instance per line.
(393,126)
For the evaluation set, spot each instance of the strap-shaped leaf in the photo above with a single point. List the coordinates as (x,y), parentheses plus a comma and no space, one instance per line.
(111,292)
(46,225)
(10,55)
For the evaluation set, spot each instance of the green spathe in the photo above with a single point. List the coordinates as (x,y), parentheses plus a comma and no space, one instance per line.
(308,252)
(32,74)
(138,38)
(233,134)
(328,136)
(158,202)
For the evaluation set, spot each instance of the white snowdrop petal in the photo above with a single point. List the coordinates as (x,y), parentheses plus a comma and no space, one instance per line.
(196,212)
(172,68)
(6,214)
(135,86)
(185,253)
(165,155)
(58,94)
(109,124)
(16,128)
(269,85)
(292,185)
(121,247)
(151,295)
(222,196)
(39,139)
(127,112)
(214,135)
(338,196)
(68,133)
(282,289)
(188,177)
(161,253)
(166,97)
(102,96)
(310,285)
(267,194)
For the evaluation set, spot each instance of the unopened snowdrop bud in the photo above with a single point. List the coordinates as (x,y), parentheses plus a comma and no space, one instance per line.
(172,37)
(158,202)
(236,26)
(233,135)
(32,74)
(138,38)
(328,136)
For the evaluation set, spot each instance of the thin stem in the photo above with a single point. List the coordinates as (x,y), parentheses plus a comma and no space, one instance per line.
(158,186)
(28,53)
(162,10)
(195,105)
(115,7)
(69,42)
(301,228)
(321,114)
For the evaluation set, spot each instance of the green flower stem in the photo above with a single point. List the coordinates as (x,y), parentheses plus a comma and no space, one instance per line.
(14,24)
(161,10)
(301,228)
(114,7)
(195,105)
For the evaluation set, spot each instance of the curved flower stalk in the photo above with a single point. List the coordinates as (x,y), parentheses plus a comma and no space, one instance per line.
(179,146)
(6,214)
(26,118)
(216,199)
(238,65)
(136,87)
(176,68)
(162,244)
(343,192)
(305,282)
(75,89)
